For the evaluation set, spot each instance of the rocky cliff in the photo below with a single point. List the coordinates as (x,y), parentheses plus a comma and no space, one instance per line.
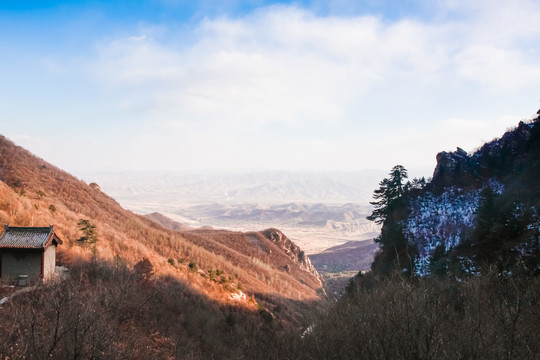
(497,159)
(480,209)
(294,252)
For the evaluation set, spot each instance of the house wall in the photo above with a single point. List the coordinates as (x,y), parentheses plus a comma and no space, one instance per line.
(49,266)
(17,262)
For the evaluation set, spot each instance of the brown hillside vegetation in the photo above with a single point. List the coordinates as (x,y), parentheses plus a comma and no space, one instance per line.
(108,311)
(265,265)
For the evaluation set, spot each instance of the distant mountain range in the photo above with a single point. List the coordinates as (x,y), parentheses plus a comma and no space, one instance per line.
(318,210)
(139,189)
(346,217)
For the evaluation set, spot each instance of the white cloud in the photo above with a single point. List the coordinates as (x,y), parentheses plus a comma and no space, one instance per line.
(286,66)
(283,65)
(498,68)
(137,38)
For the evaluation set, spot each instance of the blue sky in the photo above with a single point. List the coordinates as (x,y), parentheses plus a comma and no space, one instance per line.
(264,85)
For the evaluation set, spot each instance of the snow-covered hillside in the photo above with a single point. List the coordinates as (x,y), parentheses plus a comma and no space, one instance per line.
(444,219)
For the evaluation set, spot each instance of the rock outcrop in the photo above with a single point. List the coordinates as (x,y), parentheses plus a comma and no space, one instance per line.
(450,166)
(296,254)
(494,160)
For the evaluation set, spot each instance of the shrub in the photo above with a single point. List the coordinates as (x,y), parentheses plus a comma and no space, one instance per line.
(144,269)
(193,266)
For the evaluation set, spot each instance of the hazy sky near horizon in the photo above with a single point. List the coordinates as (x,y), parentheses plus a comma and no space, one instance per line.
(264,85)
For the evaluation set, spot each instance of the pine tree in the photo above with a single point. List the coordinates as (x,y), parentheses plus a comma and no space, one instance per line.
(391,210)
(89,239)
(390,190)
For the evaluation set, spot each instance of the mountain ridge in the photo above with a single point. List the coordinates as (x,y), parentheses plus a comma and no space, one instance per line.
(272,187)
(479,210)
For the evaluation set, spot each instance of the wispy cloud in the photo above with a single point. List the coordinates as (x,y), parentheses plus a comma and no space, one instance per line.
(284,64)
(303,77)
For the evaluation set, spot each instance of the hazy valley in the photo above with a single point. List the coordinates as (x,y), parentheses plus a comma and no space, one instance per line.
(323,213)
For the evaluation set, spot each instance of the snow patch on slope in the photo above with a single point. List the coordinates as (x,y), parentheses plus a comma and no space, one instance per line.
(444,219)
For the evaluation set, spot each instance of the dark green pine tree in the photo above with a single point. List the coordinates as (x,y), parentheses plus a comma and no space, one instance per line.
(89,239)
(390,211)
(390,190)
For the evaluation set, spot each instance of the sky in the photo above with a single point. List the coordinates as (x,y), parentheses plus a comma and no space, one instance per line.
(258,85)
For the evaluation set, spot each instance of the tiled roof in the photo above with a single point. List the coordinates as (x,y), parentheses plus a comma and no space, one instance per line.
(28,237)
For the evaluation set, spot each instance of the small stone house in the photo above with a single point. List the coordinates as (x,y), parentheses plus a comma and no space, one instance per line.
(29,251)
